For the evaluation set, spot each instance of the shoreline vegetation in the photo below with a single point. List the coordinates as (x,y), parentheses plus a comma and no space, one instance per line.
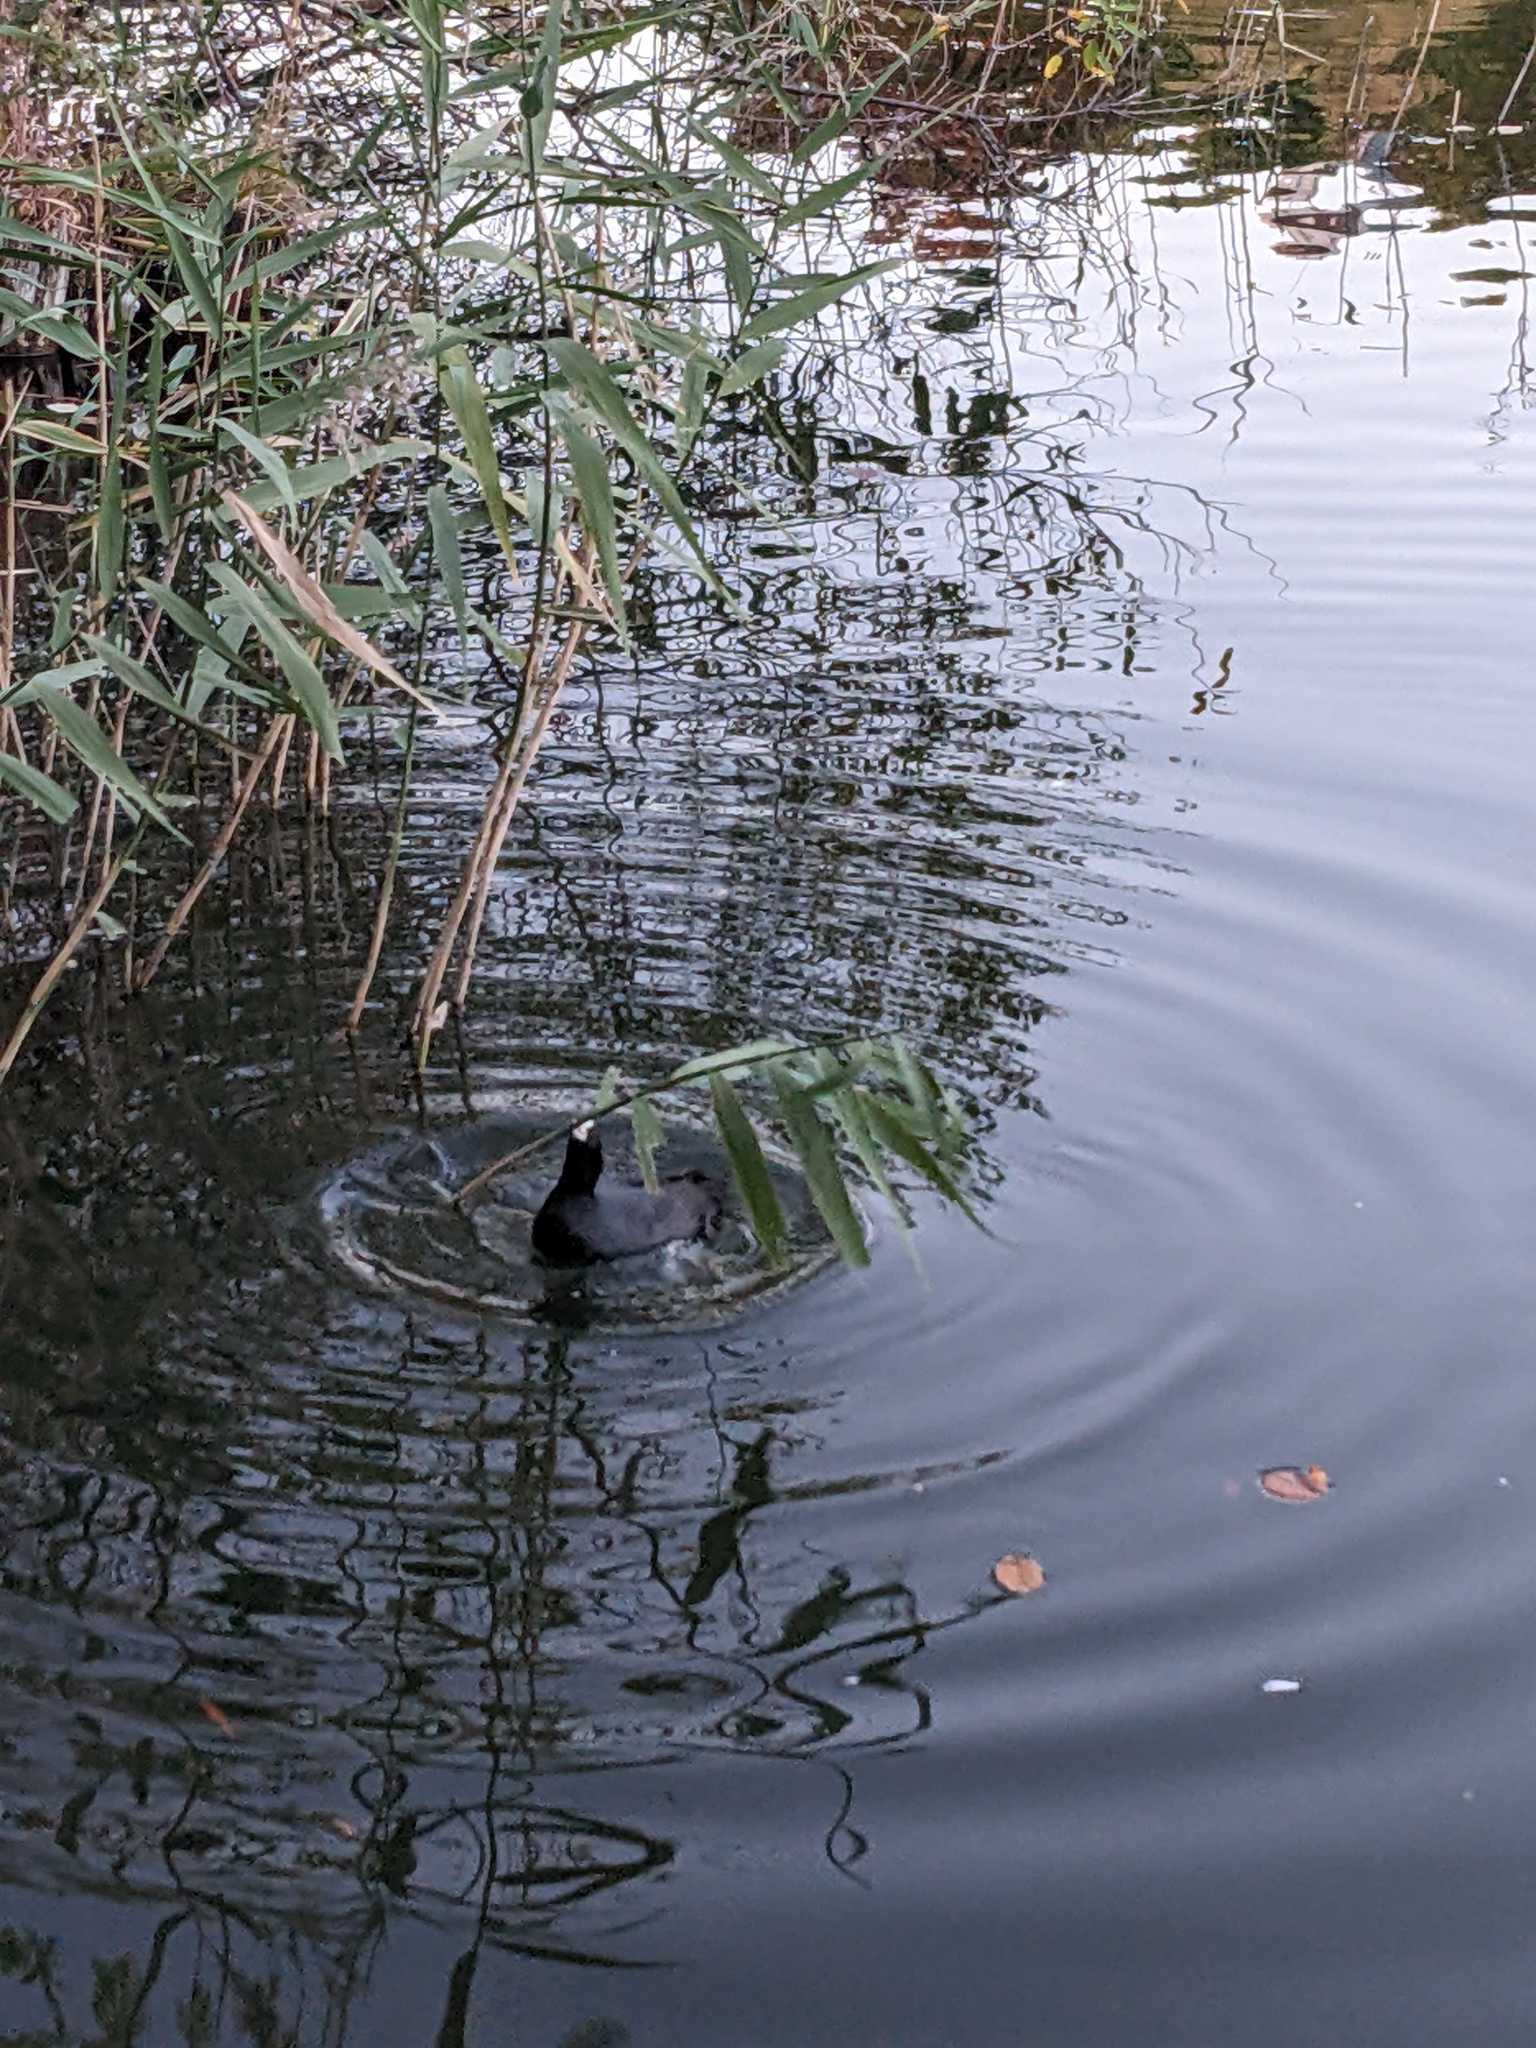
(304,313)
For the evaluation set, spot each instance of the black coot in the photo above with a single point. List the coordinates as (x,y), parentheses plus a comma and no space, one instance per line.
(581,1222)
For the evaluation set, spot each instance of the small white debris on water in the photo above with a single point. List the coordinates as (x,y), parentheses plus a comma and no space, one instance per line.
(1281,1685)
(852,1679)
(1501,1480)
(1469,1794)
(1359,1205)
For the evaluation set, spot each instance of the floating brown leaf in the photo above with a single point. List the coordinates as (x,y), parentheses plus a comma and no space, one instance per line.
(1018,1573)
(1295,1483)
(218,1717)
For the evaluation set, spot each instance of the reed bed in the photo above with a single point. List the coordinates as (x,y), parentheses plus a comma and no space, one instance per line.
(301,310)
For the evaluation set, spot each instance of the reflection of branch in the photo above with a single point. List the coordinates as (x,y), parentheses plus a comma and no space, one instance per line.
(858,1847)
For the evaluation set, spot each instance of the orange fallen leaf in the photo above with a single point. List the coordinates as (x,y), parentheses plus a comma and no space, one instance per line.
(1295,1483)
(218,1717)
(1018,1573)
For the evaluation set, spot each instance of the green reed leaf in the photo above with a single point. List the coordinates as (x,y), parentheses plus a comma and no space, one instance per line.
(751,366)
(447,556)
(84,737)
(894,1135)
(835,123)
(266,459)
(922,1089)
(63,677)
(303,677)
(584,372)
(752,1054)
(824,197)
(194,623)
(55,434)
(739,274)
(539,95)
(804,305)
(159,468)
(749,1169)
(650,1136)
(823,1172)
(589,471)
(138,678)
(737,161)
(335,470)
(466,400)
(304,250)
(38,788)
(833,1082)
(62,329)
(110,528)
(693,408)
(196,279)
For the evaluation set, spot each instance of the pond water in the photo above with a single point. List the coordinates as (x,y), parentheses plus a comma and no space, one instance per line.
(1137,709)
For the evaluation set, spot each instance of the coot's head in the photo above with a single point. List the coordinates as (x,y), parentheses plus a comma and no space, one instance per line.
(583,1161)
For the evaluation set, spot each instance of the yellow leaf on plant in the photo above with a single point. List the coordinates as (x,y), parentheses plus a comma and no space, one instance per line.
(1054,62)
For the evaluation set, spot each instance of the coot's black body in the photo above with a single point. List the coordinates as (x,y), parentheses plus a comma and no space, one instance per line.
(581,1222)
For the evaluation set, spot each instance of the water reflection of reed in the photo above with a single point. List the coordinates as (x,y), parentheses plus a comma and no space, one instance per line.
(360,1641)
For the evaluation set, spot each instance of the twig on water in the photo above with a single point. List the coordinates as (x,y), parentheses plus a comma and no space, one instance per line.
(1413,80)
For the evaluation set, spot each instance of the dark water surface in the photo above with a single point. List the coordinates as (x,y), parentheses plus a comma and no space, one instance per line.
(375,1672)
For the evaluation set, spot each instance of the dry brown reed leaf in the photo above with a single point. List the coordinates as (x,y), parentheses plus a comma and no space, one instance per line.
(311,599)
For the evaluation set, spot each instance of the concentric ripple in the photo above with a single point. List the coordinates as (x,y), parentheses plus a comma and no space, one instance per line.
(389,1221)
